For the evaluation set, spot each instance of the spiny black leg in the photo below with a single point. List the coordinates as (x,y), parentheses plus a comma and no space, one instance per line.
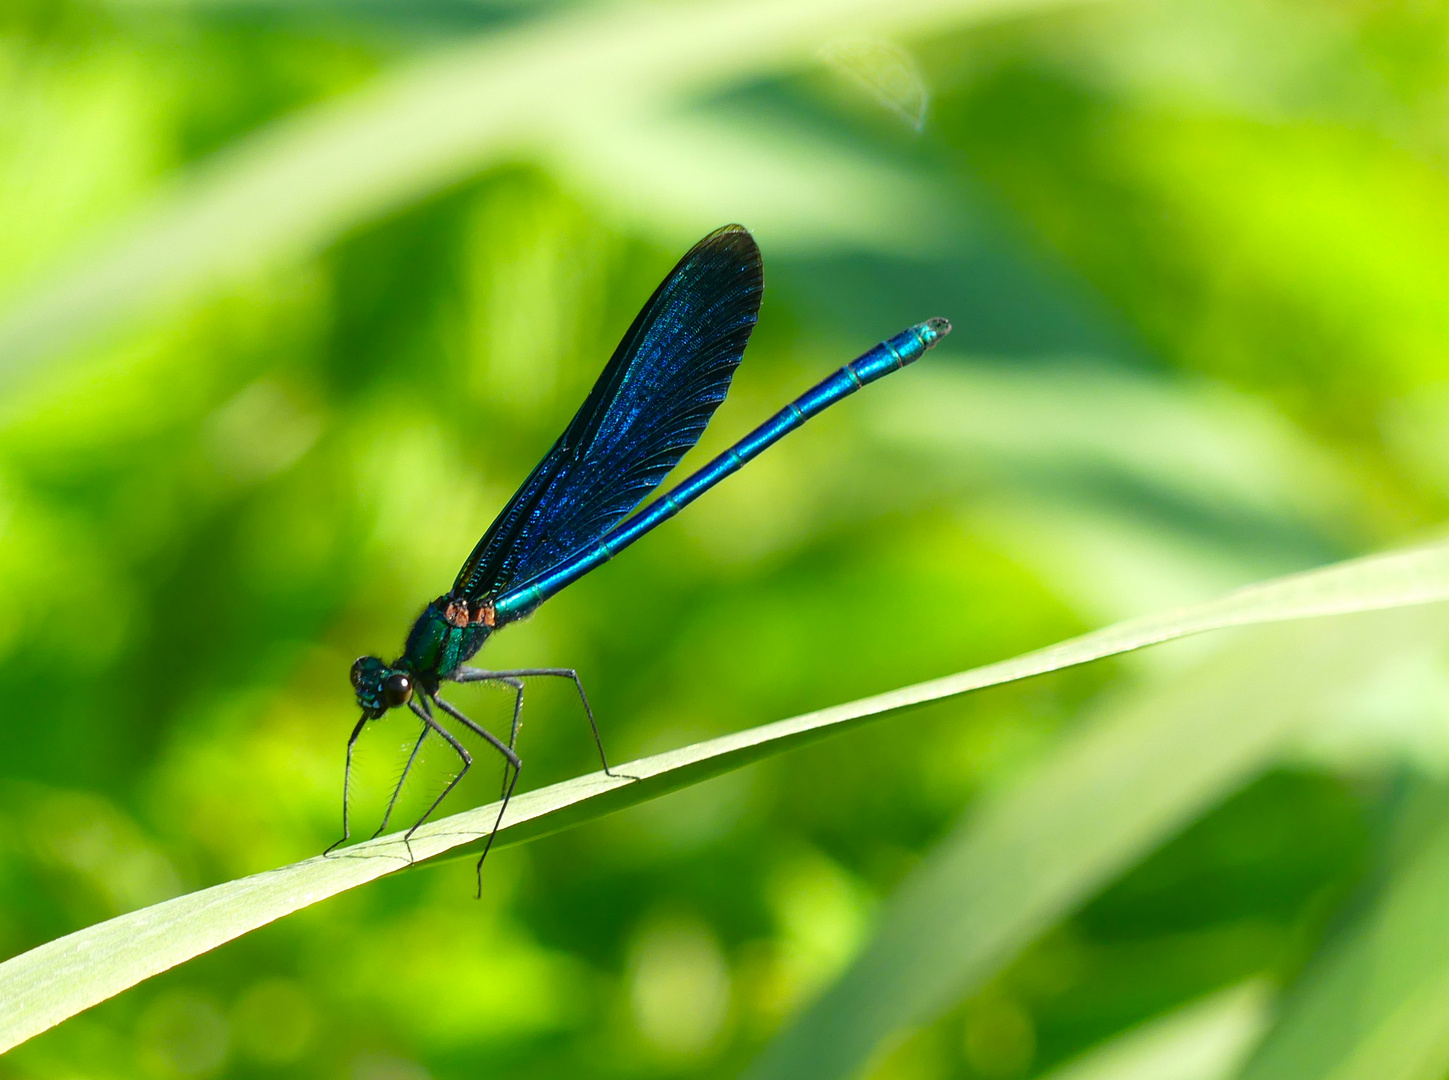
(517,685)
(466,675)
(512,758)
(396,791)
(497,823)
(478,675)
(346,784)
(426,715)
(480,731)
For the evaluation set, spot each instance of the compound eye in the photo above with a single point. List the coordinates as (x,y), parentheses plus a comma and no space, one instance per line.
(397,689)
(362,668)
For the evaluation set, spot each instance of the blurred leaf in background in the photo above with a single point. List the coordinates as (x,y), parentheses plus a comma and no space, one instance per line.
(294,292)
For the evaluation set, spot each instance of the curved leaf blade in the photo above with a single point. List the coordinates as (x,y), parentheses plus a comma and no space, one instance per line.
(48,984)
(1206,1040)
(1112,791)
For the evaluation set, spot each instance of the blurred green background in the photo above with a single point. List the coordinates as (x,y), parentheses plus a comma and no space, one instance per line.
(1196,253)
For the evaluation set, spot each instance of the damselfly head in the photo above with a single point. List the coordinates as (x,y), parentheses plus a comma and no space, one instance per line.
(379,687)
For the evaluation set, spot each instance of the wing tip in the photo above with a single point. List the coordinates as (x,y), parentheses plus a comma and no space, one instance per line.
(733,237)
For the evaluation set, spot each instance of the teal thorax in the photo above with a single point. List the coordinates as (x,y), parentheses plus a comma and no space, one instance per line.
(444,637)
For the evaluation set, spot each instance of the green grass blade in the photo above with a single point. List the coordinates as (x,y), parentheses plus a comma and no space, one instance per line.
(297,185)
(1376,1006)
(1206,1040)
(40,988)
(1108,795)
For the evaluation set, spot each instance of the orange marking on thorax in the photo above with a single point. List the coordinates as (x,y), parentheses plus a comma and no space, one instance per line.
(459,614)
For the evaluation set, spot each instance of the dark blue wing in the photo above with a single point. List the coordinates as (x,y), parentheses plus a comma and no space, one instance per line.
(650,405)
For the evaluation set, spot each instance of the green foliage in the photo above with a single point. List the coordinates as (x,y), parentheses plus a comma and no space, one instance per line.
(293,293)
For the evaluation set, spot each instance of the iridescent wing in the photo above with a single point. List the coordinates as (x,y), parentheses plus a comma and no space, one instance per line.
(650,405)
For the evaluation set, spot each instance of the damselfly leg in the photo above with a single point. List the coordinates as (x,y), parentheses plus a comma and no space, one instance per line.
(347,787)
(467,674)
(397,788)
(517,685)
(511,758)
(419,705)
